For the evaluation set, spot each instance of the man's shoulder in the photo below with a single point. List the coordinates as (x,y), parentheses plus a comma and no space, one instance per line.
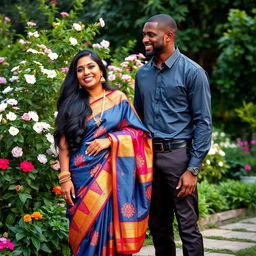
(146,67)
(191,64)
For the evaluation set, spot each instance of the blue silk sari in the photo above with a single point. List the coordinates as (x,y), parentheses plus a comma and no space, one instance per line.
(113,188)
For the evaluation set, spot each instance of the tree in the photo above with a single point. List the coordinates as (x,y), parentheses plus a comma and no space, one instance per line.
(234,73)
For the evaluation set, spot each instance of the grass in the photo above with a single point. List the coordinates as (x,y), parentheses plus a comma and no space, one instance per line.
(219,251)
(247,252)
(229,239)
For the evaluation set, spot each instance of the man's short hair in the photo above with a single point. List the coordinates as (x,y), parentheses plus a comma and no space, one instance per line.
(165,21)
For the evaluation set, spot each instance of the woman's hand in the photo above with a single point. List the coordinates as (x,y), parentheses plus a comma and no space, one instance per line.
(97,145)
(68,190)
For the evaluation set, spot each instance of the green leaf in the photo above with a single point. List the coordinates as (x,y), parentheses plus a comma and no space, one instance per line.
(19,236)
(45,248)
(36,243)
(23,197)
(10,219)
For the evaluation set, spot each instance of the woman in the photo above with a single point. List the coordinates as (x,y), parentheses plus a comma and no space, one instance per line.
(105,156)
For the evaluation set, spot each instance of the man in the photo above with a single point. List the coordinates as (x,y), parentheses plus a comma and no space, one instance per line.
(172,97)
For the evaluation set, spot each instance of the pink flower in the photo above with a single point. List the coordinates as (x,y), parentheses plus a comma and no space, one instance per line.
(2,59)
(140,55)
(48,51)
(253,141)
(26,166)
(4,163)
(64,14)
(247,167)
(245,149)
(26,117)
(111,77)
(5,243)
(31,24)
(6,19)
(64,69)
(3,80)
(17,152)
(18,187)
(56,165)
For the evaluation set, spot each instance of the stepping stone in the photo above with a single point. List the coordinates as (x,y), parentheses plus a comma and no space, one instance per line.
(149,250)
(240,225)
(229,245)
(251,220)
(229,234)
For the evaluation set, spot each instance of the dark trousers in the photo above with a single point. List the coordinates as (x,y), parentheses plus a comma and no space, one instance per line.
(168,167)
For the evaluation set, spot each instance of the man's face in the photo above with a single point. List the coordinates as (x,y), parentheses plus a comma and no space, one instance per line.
(153,39)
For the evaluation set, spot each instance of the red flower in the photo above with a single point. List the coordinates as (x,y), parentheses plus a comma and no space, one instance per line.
(57,189)
(26,166)
(4,163)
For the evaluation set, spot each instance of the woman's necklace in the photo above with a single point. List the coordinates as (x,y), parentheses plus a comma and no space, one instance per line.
(98,120)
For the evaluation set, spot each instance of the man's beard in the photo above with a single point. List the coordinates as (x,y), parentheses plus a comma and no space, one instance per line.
(155,52)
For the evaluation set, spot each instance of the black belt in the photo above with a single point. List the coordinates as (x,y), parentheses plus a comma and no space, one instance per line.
(161,145)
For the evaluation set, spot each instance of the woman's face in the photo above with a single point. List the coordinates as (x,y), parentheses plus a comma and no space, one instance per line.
(88,73)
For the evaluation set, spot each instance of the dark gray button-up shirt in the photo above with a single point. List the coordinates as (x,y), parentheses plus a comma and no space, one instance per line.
(175,103)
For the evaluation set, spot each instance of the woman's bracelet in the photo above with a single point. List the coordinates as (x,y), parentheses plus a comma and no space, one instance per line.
(64,176)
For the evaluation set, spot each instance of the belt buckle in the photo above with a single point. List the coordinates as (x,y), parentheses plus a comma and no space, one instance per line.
(161,146)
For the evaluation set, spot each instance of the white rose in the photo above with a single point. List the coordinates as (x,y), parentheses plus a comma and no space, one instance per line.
(104,43)
(53,55)
(37,127)
(102,22)
(3,106)
(50,137)
(77,27)
(73,41)
(1,117)
(33,115)
(34,34)
(32,50)
(13,79)
(42,158)
(11,116)
(30,79)
(45,125)
(7,89)
(220,163)
(15,68)
(50,73)
(222,153)
(208,161)
(13,131)
(12,102)
(17,152)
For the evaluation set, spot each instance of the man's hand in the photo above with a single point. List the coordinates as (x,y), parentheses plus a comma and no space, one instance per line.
(187,183)
(97,145)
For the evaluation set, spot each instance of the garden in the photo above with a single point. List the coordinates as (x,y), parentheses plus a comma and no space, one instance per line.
(34,60)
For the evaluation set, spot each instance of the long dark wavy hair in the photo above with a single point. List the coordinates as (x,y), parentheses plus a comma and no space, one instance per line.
(73,105)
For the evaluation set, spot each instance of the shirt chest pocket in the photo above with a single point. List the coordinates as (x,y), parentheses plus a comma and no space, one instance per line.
(176,92)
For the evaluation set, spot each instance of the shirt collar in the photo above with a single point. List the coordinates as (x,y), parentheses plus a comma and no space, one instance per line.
(170,61)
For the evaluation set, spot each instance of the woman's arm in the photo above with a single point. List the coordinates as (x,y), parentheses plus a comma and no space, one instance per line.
(67,187)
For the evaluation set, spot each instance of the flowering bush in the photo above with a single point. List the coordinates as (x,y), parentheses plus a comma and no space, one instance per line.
(215,166)
(32,69)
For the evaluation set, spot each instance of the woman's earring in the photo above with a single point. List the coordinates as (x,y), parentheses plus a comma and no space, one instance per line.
(102,79)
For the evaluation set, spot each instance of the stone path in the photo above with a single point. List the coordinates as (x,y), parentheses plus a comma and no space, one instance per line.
(245,229)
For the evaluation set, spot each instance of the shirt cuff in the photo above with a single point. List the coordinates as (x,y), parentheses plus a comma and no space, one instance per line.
(195,162)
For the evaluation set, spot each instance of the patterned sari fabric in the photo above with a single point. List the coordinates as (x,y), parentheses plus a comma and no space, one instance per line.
(113,188)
